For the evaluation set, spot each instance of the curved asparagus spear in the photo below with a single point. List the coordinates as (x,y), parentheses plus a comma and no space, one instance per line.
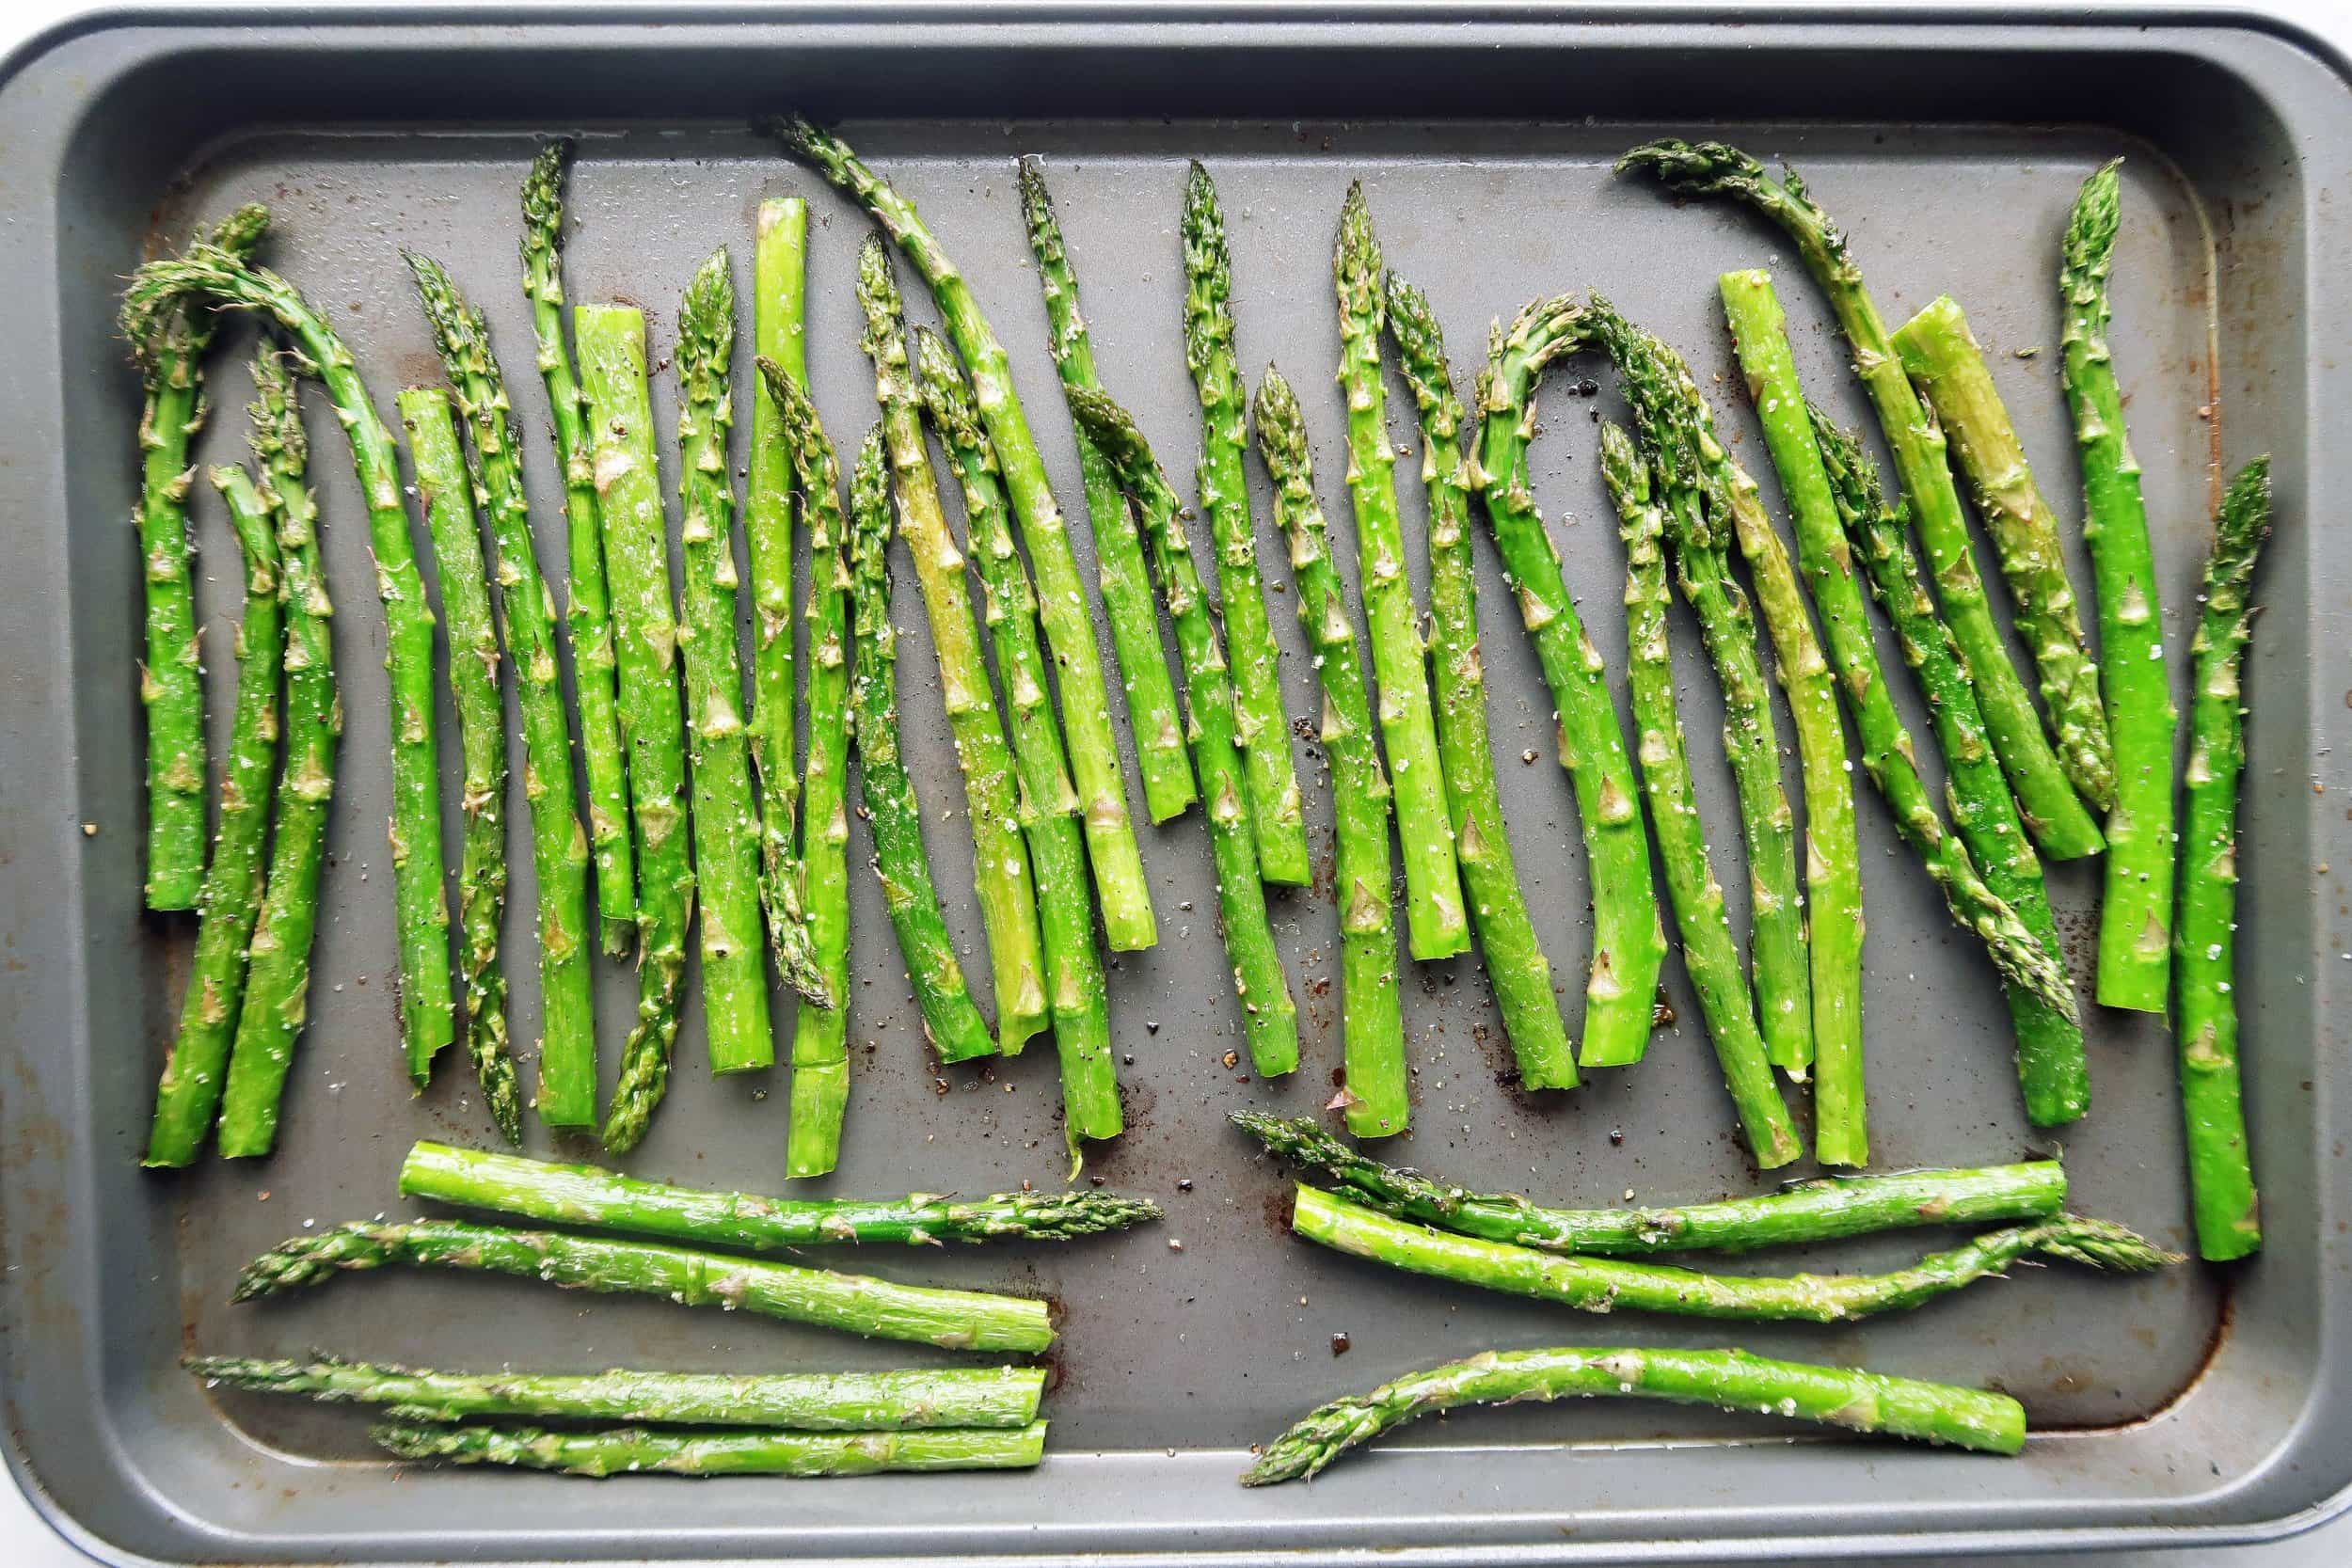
(726,824)
(1270,1017)
(2135,911)
(1942,358)
(559,852)
(992,792)
(591,604)
(1629,942)
(2221,1174)
(1434,921)
(1372,1020)
(447,495)
(951,1397)
(1709,951)
(950,1021)
(2051,807)
(1724,1379)
(1515,961)
(611,340)
(606,1200)
(1820,1210)
(1135,620)
(1069,625)
(1074,971)
(190,1091)
(1616,1284)
(209,271)
(172,685)
(634,1450)
(878,1308)
(1258,727)
(277,973)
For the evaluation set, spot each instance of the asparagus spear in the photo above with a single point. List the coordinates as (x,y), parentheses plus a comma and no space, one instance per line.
(190,1091)
(1628,943)
(585,1196)
(951,1397)
(277,973)
(559,852)
(1259,726)
(209,271)
(1074,971)
(1616,1284)
(992,792)
(1515,965)
(444,488)
(2054,812)
(726,824)
(2135,912)
(1724,1379)
(172,685)
(1135,620)
(1372,1020)
(2051,1071)
(1118,882)
(611,340)
(1269,1017)
(1708,951)
(631,1450)
(1434,921)
(593,671)
(2221,1174)
(820,1045)
(878,1308)
(1820,1210)
(950,1021)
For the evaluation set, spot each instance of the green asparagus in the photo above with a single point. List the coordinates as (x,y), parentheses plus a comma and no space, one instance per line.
(633,1451)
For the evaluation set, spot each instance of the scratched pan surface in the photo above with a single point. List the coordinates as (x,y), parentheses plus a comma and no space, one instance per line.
(2189,1400)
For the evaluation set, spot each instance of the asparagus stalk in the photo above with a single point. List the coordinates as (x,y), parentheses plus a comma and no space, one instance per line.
(593,671)
(633,1451)
(585,1196)
(1724,1379)
(611,340)
(1435,922)
(172,683)
(1269,1017)
(2221,1174)
(1616,1284)
(878,1308)
(820,1043)
(559,852)
(1820,1210)
(443,488)
(1259,726)
(1708,951)
(190,1091)
(2050,1070)
(1515,965)
(1074,971)
(209,271)
(726,823)
(1118,882)
(1628,943)
(1377,1098)
(2054,812)
(2135,913)
(950,1021)
(983,1397)
(1135,620)
(991,791)
(277,973)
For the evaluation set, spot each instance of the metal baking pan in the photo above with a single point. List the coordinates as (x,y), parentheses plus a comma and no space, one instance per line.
(2191,1406)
